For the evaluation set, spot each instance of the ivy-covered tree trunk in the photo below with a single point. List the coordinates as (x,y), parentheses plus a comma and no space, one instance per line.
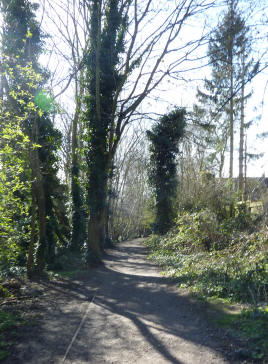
(41,204)
(21,46)
(38,189)
(164,139)
(106,42)
(78,234)
(30,258)
(97,190)
(113,96)
(22,43)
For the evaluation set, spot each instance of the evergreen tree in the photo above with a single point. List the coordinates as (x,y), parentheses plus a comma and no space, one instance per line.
(224,51)
(224,95)
(164,139)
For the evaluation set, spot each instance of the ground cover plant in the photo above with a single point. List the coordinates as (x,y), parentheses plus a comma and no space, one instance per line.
(252,326)
(216,261)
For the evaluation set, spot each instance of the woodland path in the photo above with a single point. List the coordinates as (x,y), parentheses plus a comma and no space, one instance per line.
(121,312)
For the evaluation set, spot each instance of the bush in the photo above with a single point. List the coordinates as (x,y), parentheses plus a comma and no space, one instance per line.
(203,191)
(251,325)
(199,231)
(210,259)
(238,272)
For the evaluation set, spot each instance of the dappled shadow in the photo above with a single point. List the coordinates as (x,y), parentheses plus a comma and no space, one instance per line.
(134,310)
(151,307)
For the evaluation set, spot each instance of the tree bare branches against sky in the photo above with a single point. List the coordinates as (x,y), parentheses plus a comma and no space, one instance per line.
(167,42)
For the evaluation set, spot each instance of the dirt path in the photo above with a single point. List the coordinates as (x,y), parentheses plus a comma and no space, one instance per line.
(122,312)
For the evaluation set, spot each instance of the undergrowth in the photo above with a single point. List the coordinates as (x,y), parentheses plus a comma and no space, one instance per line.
(69,265)
(252,326)
(9,322)
(238,272)
(214,261)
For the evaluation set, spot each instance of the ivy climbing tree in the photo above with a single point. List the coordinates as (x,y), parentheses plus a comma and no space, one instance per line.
(107,43)
(122,68)
(164,147)
(26,102)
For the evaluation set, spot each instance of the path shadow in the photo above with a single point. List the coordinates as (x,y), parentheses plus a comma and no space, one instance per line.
(148,301)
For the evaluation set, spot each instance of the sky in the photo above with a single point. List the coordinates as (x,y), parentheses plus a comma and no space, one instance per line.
(182,92)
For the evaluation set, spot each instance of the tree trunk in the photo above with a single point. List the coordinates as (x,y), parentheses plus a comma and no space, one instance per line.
(41,205)
(231,170)
(231,117)
(78,225)
(107,238)
(231,147)
(30,259)
(40,200)
(96,237)
(245,169)
(221,165)
(1,89)
(242,127)
(98,208)
(231,128)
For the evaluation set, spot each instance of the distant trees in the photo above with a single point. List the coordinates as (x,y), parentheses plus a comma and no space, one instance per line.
(128,191)
(164,147)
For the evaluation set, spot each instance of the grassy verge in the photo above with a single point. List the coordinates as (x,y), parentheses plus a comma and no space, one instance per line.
(236,273)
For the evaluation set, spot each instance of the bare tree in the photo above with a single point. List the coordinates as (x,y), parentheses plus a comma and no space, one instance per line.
(129,188)
(153,50)
(69,19)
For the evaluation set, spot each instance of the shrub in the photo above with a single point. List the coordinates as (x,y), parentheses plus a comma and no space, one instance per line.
(204,191)
(212,260)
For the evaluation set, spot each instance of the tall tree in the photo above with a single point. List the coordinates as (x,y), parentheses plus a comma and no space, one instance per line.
(24,79)
(164,141)
(122,70)
(224,52)
(232,68)
(71,28)
(103,77)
